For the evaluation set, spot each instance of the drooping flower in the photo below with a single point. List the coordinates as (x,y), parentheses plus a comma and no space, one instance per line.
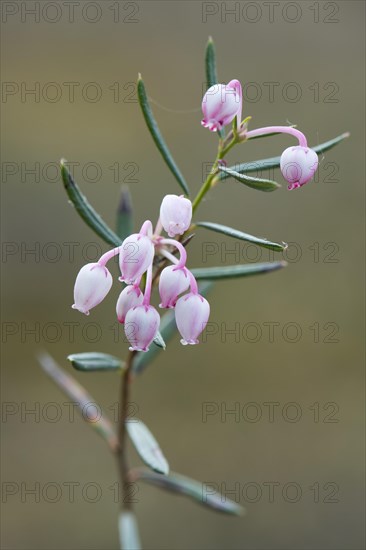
(141,327)
(298,165)
(191,314)
(92,285)
(173,281)
(136,255)
(130,297)
(221,104)
(175,214)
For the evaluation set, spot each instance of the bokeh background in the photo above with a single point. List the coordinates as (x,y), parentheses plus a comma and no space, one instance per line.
(320,48)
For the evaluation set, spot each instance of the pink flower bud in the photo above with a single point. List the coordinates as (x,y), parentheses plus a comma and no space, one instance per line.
(175,214)
(221,104)
(136,254)
(191,314)
(173,281)
(298,165)
(130,297)
(141,327)
(91,287)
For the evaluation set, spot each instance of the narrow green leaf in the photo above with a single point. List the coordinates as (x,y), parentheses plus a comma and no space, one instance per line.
(147,446)
(211,71)
(124,221)
(85,210)
(157,137)
(92,361)
(167,329)
(78,395)
(274,162)
(242,236)
(159,341)
(233,271)
(206,494)
(255,183)
(129,538)
(210,61)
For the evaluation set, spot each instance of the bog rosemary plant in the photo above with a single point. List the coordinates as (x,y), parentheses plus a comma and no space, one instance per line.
(147,259)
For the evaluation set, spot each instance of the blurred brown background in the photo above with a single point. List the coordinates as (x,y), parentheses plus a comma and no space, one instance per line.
(319,48)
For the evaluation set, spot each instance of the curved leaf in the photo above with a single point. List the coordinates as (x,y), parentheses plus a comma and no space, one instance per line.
(128,531)
(80,397)
(256,183)
(85,210)
(204,493)
(274,162)
(157,137)
(147,446)
(218,228)
(234,271)
(92,361)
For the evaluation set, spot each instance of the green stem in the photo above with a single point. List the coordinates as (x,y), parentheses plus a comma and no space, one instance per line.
(221,153)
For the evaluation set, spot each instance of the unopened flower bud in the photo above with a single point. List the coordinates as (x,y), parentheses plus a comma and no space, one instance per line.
(141,327)
(191,314)
(175,214)
(298,165)
(130,297)
(173,281)
(92,285)
(137,253)
(221,104)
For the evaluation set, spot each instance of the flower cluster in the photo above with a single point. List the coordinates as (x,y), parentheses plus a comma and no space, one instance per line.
(222,103)
(136,256)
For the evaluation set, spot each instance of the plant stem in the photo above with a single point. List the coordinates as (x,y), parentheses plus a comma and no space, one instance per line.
(122,433)
(222,151)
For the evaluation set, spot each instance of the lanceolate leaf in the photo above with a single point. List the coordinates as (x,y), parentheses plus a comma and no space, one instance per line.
(85,210)
(147,446)
(274,162)
(90,411)
(211,71)
(128,531)
(242,236)
(93,361)
(157,137)
(210,62)
(256,183)
(124,221)
(234,271)
(167,330)
(203,493)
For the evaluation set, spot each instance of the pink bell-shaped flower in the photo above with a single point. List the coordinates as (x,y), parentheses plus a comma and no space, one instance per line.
(175,214)
(173,281)
(136,254)
(221,104)
(298,165)
(141,327)
(92,285)
(131,296)
(191,315)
